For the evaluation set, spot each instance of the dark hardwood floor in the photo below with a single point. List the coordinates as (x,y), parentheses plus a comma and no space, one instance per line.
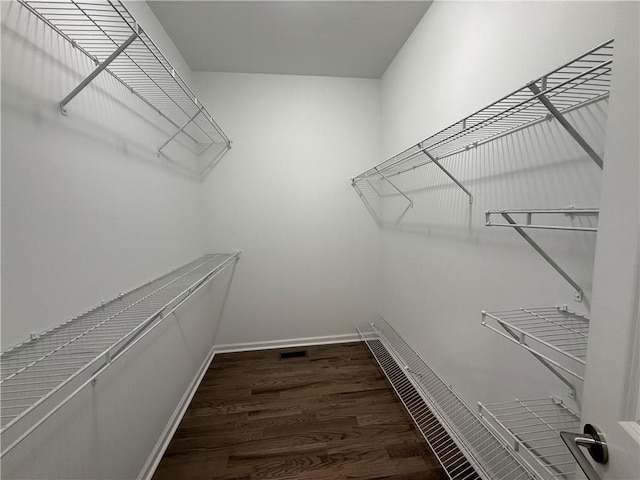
(328,416)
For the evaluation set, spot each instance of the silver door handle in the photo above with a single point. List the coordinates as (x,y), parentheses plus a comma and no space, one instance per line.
(593,440)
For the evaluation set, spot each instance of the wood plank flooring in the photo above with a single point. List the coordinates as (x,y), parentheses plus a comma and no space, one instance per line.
(329,416)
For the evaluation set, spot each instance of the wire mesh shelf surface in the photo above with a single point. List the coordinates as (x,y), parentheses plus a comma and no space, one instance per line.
(547,331)
(98,28)
(581,82)
(451,429)
(532,427)
(50,364)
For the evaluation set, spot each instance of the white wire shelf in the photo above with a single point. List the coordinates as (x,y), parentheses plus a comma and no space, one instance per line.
(465,447)
(38,376)
(573,214)
(100,29)
(581,82)
(553,334)
(532,428)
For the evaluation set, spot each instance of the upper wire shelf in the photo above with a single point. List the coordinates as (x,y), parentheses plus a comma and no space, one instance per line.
(40,375)
(532,428)
(576,84)
(110,36)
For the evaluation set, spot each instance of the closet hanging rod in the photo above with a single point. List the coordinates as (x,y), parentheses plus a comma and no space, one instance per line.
(576,84)
(106,30)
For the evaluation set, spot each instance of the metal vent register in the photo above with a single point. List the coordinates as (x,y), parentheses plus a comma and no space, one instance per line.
(463,444)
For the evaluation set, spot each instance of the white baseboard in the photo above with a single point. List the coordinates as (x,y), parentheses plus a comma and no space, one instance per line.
(153,461)
(291,342)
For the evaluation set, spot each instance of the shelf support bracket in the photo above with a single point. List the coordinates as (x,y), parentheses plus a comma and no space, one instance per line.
(537,248)
(98,70)
(568,383)
(563,121)
(396,188)
(448,174)
(179,130)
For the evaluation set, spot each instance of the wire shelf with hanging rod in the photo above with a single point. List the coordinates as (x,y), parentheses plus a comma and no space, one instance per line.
(107,33)
(44,373)
(465,447)
(532,429)
(580,82)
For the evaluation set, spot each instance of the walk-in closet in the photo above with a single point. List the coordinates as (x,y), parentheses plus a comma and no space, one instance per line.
(320,240)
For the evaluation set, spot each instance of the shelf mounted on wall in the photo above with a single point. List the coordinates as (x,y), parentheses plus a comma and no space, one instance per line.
(520,226)
(38,377)
(581,82)
(531,429)
(555,336)
(465,447)
(107,33)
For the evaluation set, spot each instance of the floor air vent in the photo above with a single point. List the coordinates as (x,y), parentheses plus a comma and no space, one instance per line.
(465,447)
(296,354)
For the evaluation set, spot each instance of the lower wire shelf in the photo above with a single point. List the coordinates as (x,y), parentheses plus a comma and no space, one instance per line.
(464,446)
(39,376)
(532,429)
(554,335)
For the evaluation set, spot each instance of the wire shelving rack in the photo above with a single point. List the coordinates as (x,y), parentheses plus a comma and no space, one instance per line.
(581,82)
(546,331)
(107,33)
(532,428)
(39,376)
(530,213)
(465,447)
(555,336)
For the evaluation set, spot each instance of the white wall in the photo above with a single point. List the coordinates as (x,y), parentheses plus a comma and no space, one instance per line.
(441,266)
(88,211)
(310,261)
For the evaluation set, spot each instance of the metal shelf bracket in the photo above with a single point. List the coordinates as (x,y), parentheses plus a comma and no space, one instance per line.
(578,290)
(395,187)
(529,213)
(563,121)
(99,69)
(447,173)
(193,117)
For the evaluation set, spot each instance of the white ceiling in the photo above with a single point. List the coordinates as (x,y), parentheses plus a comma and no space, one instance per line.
(332,38)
